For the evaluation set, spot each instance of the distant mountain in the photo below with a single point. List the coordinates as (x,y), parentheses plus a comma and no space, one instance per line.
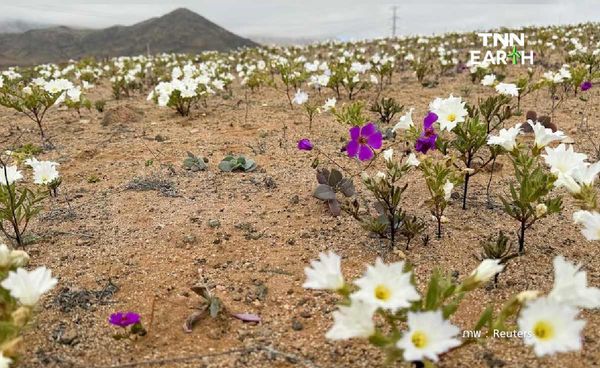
(19,26)
(181,31)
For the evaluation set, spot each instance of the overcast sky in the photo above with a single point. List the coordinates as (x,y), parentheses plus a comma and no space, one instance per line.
(345,19)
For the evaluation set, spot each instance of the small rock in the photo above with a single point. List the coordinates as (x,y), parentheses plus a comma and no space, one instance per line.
(297,325)
(189,239)
(68,337)
(214,223)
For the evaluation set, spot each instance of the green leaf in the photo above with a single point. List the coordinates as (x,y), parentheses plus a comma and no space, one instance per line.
(431,299)
(215,307)
(334,207)
(334,178)
(324,192)
(449,309)
(225,166)
(347,187)
(485,319)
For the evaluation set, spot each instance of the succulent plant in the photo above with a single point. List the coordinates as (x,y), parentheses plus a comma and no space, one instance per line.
(331,182)
(194,163)
(497,248)
(386,109)
(241,163)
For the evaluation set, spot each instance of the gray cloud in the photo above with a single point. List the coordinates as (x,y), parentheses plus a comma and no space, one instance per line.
(314,18)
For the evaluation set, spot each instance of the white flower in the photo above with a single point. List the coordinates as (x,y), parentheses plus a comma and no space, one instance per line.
(12,174)
(12,258)
(380,176)
(506,138)
(507,89)
(563,160)
(19,258)
(4,361)
(355,320)
(329,104)
(300,97)
(5,259)
(58,85)
(488,80)
(44,172)
(545,136)
(450,111)
(323,80)
(540,210)
(163,100)
(386,286)
(388,154)
(28,287)
(590,222)
(487,269)
(448,186)
(527,295)
(586,174)
(413,160)
(570,286)
(567,181)
(324,274)
(405,121)
(74,94)
(551,327)
(428,336)
(219,84)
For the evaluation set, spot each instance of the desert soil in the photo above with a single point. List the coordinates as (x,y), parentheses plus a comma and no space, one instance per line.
(249,236)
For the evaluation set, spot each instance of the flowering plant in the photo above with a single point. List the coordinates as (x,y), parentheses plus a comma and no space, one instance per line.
(130,322)
(387,190)
(20,291)
(34,99)
(18,203)
(186,87)
(385,307)
(440,177)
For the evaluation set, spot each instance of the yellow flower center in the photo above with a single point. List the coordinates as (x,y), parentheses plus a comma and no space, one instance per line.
(382,292)
(451,117)
(543,330)
(419,339)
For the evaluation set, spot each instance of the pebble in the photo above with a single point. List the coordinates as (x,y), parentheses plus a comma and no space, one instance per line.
(297,325)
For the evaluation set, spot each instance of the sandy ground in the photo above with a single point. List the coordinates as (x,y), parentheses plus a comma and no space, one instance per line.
(119,249)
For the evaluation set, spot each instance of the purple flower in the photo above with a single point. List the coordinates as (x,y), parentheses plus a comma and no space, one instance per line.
(124,319)
(427,139)
(363,141)
(305,144)
(586,85)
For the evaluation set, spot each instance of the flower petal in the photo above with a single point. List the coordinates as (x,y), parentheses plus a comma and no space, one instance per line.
(354,133)
(375,140)
(368,129)
(352,148)
(429,120)
(365,153)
